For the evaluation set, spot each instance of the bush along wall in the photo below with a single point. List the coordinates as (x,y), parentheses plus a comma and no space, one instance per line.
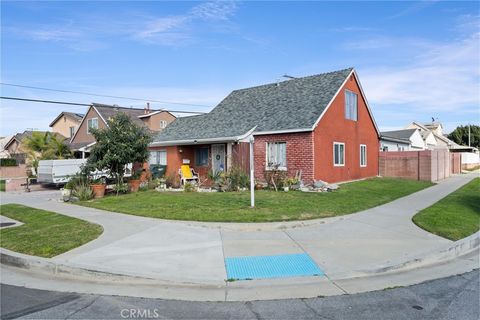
(8,162)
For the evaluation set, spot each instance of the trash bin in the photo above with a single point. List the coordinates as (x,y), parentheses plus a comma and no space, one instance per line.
(158,170)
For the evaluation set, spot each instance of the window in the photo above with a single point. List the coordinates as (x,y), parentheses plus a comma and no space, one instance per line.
(350,105)
(363,155)
(338,154)
(92,124)
(201,157)
(158,157)
(163,124)
(277,155)
(72,131)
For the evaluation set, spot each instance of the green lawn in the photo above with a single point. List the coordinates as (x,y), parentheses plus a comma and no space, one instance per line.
(44,233)
(454,217)
(270,205)
(2,185)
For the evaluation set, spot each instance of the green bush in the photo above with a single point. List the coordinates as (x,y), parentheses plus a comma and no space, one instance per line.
(80,186)
(8,162)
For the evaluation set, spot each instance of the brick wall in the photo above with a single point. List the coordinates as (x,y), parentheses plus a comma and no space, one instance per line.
(428,165)
(299,154)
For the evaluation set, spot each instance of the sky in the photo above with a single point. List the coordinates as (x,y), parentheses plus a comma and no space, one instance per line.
(415,60)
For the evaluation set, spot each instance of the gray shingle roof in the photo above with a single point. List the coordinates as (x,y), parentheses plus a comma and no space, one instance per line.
(108,111)
(77,116)
(404,134)
(294,104)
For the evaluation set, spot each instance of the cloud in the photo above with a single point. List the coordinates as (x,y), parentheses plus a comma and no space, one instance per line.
(217,10)
(88,33)
(178,30)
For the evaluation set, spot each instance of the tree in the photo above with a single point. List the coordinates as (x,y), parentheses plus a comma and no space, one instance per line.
(460,135)
(121,143)
(45,146)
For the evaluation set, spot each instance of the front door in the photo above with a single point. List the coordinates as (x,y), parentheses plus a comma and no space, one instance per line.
(218,158)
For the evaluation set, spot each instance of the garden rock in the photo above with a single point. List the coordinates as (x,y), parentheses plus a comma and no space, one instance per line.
(319,184)
(332,187)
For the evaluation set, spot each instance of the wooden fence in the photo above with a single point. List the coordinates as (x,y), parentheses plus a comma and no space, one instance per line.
(429,165)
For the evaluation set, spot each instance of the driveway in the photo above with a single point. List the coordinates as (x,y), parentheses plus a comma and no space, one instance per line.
(194,253)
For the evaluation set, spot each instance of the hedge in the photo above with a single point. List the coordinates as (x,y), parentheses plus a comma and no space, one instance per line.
(8,162)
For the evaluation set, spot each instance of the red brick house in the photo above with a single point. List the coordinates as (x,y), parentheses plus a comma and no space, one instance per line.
(321,125)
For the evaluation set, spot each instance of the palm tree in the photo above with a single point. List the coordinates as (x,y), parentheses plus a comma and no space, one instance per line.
(45,146)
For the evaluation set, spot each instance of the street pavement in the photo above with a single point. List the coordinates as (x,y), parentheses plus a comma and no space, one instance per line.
(455,297)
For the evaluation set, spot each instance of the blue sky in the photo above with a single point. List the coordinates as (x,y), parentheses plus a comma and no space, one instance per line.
(416,60)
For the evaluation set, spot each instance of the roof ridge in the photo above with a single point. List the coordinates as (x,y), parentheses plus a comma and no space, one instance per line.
(296,78)
(115,106)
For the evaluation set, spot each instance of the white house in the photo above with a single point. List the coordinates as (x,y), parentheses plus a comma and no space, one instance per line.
(401,140)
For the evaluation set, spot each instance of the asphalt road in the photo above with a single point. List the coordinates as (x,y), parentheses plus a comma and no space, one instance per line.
(456,297)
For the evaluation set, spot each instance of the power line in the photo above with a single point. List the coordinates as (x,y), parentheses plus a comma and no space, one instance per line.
(102,95)
(88,105)
(46,101)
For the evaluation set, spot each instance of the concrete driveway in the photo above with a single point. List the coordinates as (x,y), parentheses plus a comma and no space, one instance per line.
(194,253)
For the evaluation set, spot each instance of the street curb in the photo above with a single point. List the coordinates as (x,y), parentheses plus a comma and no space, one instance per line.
(445,254)
(44,266)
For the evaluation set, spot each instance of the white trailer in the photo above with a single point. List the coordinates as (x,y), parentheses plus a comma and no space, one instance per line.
(58,171)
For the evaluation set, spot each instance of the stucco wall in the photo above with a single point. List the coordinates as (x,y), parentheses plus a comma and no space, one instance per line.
(82,135)
(63,125)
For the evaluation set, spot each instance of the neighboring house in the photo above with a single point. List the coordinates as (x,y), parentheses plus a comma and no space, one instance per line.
(98,114)
(400,140)
(15,148)
(433,135)
(319,125)
(66,123)
(3,152)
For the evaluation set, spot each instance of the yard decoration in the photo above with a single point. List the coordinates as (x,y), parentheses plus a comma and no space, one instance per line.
(134,181)
(122,142)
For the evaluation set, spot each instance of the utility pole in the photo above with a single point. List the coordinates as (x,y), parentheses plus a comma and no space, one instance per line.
(469,134)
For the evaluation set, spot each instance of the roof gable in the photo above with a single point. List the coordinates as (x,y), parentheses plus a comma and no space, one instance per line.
(292,105)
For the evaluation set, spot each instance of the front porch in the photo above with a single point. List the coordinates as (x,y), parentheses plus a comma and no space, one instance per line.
(203,158)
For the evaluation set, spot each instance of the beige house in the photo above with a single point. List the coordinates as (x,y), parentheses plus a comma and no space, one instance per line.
(98,114)
(66,123)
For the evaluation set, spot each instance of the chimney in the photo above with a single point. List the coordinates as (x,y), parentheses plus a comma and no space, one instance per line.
(147,108)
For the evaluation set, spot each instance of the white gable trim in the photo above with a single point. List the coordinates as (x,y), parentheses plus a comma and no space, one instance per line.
(363,97)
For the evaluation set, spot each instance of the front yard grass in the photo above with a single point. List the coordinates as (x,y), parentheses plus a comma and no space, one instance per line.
(454,217)
(44,233)
(270,205)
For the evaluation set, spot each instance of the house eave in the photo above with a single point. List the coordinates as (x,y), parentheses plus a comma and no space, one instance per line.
(203,141)
(260,133)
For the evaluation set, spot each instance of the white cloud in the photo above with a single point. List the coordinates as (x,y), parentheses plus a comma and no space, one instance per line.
(216,10)
(445,77)
(161,25)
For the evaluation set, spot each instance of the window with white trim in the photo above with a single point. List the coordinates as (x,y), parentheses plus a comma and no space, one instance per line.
(163,124)
(72,131)
(277,155)
(158,157)
(363,155)
(338,154)
(351,109)
(92,124)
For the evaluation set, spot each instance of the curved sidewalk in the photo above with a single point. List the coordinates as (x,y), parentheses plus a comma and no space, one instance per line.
(192,254)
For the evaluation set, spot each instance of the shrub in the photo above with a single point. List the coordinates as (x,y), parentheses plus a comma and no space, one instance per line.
(189,187)
(80,186)
(8,162)
(275,178)
(172,180)
(238,179)
(120,188)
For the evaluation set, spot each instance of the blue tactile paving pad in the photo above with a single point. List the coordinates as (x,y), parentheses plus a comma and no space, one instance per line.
(278,266)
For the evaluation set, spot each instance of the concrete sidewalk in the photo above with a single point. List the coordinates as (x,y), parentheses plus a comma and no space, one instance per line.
(193,253)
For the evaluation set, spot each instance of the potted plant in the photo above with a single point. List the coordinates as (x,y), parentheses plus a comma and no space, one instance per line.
(98,187)
(134,181)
